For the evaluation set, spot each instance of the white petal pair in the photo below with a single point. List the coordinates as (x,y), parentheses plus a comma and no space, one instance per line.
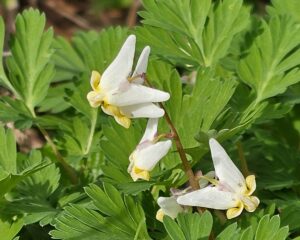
(148,152)
(122,96)
(231,192)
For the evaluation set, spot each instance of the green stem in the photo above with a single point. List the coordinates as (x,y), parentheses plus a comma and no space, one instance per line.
(68,169)
(92,132)
(136,237)
(242,158)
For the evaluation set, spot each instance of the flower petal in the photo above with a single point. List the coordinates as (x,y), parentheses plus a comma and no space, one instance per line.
(236,211)
(119,117)
(228,174)
(141,66)
(148,157)
(151,130)
(143,110)
(251,184)
(95,80)
(137,173)
(95,99)
(251,203)
(169,206)
(209,197)
(160,215)
(136,94)
(123,121)
(117,72)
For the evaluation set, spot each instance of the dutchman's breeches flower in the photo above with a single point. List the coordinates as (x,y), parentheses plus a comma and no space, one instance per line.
(168,206)
(148,152)
(123,96)
(230,191)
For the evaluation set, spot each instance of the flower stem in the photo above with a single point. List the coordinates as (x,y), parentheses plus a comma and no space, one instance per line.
(186,165)
(242,158)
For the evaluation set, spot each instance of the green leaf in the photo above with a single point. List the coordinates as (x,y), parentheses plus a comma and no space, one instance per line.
(290,7)
(3,78)
(115,217)
(30,70)
(15,110)
(32,196)
(189,226)
(289,205)
(207,27)
(10,228)
(88,51)
(54,101)
(11,174)
(214,94)
(276,165)
(229,232)
(118,154)
(11,180)
(77,98)
(247,234)
(271,64)
(269,228)
(173,229)
(106,48)
(8,151)
(67,61)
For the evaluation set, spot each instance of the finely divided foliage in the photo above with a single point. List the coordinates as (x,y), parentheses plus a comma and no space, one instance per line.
(232,75)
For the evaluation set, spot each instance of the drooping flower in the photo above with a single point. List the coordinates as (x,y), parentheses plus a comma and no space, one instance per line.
(148,152)
(121,95)
(168,206)
(230,191)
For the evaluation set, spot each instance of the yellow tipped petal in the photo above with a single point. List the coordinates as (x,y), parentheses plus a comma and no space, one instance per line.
(137,173)
(118,115)
(123,121)
(160,215)
(251,185)
(236,211)
(251,203)
(94,99)
(95,80)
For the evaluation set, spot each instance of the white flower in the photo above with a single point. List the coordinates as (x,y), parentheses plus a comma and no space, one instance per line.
(169,207)
(148,152)
(122,96)
(231,192)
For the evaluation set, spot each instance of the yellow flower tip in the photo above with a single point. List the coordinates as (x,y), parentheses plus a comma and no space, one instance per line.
(118,115)
(123,121)
(251,185)
(251,203)
(138,173)
(93,100)
(236,211)
(160,215)
(95,80)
